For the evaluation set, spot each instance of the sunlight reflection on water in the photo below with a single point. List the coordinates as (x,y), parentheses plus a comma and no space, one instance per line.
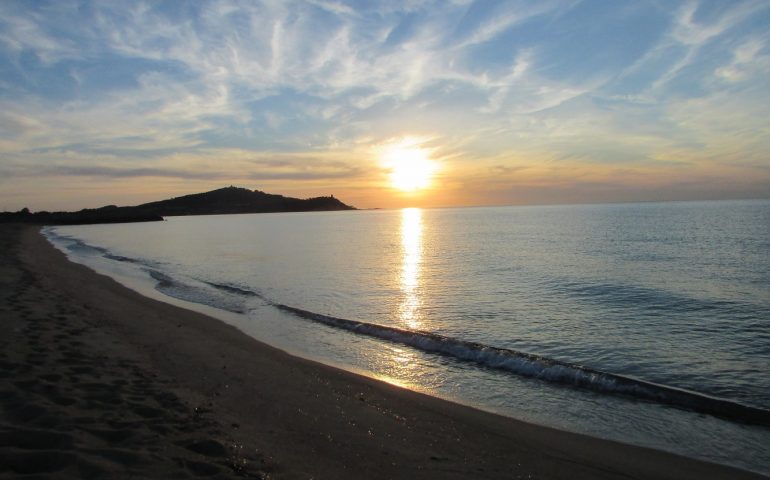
(672,293)
(411,246)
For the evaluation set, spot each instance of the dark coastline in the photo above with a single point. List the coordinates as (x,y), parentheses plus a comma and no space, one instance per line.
(228,200)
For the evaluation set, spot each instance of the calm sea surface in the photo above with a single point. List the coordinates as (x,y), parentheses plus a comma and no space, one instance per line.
(644,323)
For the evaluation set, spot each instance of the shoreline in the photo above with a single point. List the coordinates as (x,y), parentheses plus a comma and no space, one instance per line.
(237,402)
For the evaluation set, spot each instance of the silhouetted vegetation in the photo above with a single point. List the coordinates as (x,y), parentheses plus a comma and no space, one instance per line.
(222,201)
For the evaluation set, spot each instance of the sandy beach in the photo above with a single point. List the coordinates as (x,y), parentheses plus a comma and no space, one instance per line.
(101,382)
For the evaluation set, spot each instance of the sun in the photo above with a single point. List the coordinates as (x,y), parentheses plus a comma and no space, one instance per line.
(410,166)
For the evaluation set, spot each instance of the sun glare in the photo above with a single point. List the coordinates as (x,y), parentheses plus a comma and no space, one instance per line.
(410,166)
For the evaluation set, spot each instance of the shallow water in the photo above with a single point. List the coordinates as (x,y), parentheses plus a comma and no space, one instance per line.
(645,323)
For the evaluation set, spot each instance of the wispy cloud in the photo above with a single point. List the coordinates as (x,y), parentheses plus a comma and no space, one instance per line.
(148,89)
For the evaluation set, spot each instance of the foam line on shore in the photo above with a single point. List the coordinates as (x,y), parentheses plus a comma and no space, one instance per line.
(509,360)
(272,396)
(544,368)
(534,366)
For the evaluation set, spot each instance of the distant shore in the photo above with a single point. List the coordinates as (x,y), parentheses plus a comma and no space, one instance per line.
(223,201)
(99,381)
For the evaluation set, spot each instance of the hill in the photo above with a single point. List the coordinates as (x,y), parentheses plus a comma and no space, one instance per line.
(239,200)
(221,201)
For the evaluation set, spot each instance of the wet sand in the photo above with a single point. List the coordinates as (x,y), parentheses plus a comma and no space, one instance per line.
(98,381)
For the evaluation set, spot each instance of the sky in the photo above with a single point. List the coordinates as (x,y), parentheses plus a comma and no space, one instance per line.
(511,102)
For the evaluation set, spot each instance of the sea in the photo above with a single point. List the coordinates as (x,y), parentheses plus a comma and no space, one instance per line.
(645,323)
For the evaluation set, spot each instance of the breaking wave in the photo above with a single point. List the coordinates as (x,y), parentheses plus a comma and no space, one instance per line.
(233,298)
(548,369)
(532,365)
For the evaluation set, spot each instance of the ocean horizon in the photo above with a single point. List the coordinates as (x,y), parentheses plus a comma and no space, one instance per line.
(646,323)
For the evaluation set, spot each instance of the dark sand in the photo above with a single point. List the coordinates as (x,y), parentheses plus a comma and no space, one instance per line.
(97,381)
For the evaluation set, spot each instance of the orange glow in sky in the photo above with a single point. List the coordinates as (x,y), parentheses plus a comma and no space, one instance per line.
(413,105)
